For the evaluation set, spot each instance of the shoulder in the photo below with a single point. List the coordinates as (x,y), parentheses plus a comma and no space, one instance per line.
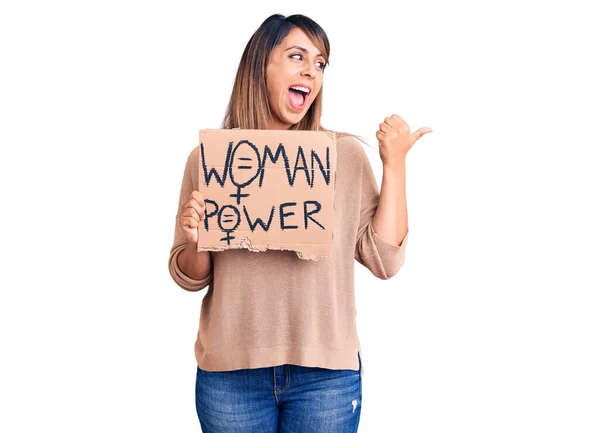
(192,166)
(350,151)
(193,156)
(192,162)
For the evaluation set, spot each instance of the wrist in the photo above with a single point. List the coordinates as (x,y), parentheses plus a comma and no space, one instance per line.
(397,168)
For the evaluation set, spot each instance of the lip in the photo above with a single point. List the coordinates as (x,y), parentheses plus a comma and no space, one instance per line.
(303,85)
(306,96)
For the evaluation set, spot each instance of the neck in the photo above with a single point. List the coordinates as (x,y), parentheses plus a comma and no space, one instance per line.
(277,124)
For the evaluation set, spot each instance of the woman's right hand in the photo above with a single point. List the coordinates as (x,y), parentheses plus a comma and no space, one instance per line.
(191,216)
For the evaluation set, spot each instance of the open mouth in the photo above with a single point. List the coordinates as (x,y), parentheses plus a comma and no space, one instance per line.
(297,97)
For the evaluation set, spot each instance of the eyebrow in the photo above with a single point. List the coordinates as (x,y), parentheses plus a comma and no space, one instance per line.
(304,50)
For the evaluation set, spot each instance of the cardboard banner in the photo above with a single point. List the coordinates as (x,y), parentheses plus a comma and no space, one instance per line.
(267,189)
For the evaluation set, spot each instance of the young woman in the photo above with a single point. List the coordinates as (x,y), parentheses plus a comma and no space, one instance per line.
(277,346)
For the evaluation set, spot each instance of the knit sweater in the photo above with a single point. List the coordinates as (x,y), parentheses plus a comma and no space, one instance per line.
(270,308)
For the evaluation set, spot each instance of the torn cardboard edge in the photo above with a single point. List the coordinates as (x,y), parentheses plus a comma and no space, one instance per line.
(278,153)
(246,244)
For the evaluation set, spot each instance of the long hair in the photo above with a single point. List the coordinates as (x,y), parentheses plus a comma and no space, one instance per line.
(248,106)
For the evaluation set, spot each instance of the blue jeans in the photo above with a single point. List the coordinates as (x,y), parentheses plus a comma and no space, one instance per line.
(282,399)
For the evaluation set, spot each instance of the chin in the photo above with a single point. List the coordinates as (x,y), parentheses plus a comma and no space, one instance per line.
(293,119)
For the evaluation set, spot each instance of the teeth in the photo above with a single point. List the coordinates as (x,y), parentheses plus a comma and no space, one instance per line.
(300,88)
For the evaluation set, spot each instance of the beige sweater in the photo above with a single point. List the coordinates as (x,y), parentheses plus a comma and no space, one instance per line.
(269,308)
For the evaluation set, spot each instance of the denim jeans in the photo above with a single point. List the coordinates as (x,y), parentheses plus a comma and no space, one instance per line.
(282,399)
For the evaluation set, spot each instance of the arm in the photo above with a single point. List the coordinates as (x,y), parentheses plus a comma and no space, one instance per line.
(387,233)
(379,250)
(191,270)
(391,218)
(197,265)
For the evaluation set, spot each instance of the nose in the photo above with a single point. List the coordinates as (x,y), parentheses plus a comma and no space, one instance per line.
(310,70)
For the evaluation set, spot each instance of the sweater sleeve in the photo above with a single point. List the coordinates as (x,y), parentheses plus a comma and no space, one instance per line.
(189,184)
(382,258)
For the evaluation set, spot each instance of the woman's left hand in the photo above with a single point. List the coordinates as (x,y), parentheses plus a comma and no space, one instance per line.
(395,140)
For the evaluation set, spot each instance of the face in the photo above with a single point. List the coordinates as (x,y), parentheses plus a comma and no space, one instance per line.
(294,62)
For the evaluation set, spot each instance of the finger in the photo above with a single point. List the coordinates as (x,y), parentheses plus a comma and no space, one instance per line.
(186,222)
(379,136)
(420,132)
(196,195)
(198,207)
(394,123)
(384,127)
(190,222)
(192,213)
(402,125)
(399,119)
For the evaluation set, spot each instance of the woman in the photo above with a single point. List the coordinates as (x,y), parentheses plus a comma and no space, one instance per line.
(277,347)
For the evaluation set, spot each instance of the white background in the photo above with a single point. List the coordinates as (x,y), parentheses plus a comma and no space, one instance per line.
(492,325)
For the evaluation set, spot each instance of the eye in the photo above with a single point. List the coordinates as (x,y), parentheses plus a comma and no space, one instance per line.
(322,67)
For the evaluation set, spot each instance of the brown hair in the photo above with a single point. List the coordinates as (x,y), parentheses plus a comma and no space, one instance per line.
(248,106)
